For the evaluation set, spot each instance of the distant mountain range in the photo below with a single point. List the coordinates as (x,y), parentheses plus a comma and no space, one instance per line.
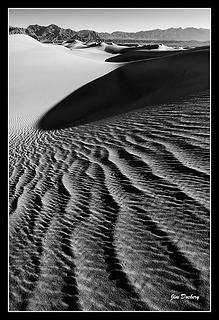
(54,33)
(158,34)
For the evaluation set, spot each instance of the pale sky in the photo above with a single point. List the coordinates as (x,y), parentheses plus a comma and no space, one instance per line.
(109,20)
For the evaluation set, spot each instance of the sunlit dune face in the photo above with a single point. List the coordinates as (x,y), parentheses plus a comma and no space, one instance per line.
(41,75)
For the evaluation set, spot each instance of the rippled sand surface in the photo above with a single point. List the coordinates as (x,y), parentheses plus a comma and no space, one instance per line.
(112,215)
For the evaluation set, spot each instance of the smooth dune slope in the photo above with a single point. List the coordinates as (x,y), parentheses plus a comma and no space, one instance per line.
(40,75)
(131,86)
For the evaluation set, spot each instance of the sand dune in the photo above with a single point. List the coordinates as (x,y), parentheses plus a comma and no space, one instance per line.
(140,55)
(76,44)
(149,48)
(40,75)
(114,215)
(111,215)
(133,55)
(112,48)
(132,86)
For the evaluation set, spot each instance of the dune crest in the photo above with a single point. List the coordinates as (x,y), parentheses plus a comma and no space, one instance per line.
(40,75)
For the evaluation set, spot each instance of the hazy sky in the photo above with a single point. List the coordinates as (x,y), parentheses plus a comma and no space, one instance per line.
(112,19)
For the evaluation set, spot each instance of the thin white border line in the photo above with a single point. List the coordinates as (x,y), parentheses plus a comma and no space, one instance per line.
(210,247)
(8,164)
(158,311)
(108,8)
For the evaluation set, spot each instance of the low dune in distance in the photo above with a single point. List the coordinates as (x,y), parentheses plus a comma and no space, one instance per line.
(134,55)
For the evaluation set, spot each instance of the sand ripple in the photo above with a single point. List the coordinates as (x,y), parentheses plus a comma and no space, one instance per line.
(113,215)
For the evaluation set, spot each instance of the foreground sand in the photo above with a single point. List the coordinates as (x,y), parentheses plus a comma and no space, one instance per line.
(112,215)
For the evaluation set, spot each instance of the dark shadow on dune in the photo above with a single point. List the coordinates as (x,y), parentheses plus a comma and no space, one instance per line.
(134,54)
(135,85)
(140,55)
(145,47)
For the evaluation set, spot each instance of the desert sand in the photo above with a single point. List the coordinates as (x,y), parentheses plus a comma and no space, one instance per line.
(109,179)
(40,75)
